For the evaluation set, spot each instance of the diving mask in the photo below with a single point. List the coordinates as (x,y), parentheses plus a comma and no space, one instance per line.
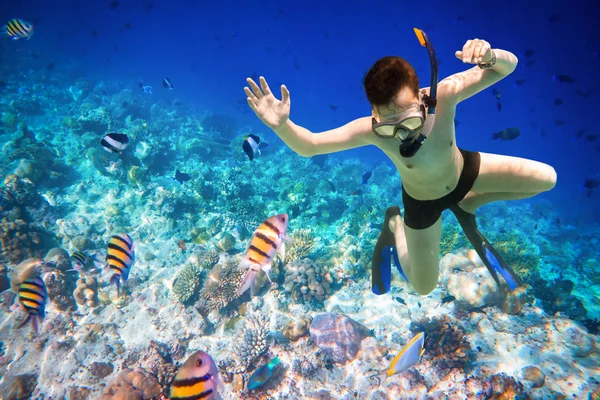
(408,124)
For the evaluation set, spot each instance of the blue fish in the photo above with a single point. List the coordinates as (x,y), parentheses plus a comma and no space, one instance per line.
(262,374)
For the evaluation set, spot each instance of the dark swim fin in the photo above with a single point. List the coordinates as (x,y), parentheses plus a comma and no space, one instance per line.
(488,254)
(383,255)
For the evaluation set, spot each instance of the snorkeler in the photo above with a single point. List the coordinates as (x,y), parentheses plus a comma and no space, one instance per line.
(415,128)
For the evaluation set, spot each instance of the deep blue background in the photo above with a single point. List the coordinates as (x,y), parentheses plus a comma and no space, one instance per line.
(321,50)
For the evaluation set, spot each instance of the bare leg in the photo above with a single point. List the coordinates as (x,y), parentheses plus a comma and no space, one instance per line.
(418,252)
(473,201)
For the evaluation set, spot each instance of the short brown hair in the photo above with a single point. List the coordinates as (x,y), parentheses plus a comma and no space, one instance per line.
(387,77)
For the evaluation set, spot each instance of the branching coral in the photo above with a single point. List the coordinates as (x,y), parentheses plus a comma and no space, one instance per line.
(306,281)
(446,344)
(452,239)
(252,342)
(187,283)
(519,253)
(302,245)
(221,286)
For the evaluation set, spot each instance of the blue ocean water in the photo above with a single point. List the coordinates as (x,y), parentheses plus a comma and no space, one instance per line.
(79,77)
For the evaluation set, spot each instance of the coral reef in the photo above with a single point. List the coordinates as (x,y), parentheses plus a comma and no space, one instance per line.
(504,387)
(19,240)
(306,281)
(253,342)
(338,336)
(303,243)
(18,387)
(446,344)
(187,284)
(295,329)
(86,292)
(157,359)
(101,369)
(221,285)
(134,384)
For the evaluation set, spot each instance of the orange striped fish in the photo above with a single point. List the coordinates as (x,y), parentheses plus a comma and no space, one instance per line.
(18,29)
(198,378)
(268,239)
(33,296)
(120,258)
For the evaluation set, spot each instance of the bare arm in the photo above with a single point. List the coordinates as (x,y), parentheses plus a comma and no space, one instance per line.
(461,86)
(307,144)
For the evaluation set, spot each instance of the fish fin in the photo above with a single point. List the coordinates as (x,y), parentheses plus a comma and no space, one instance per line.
(488,254)
(281,251)
(244,264)
(267,269)
(115,279)
(248,283)
(496,135)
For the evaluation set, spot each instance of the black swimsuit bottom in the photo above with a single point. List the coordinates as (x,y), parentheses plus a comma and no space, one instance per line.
(421,214)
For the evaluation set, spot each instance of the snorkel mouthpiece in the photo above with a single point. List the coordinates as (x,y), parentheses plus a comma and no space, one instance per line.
(410,146)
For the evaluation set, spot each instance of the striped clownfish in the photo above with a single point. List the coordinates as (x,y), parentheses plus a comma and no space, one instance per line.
(120,258)
(268,240)
(408,356)
(33,296)
(198,378)
(18,29)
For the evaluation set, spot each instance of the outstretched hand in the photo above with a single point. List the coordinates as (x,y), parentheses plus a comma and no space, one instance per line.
(272,112)
(475,51)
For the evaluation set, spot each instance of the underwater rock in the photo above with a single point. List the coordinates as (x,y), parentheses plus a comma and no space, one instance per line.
(534,375)
(29,170)
(513,302)
(471,284)
(132,384)
(581,343)
(25,270)
(18,387)
(296,329)
(79,393)
(59,258)
(101,369)
(306,281)
(226,242)
(503,386)
(86,292)
(338,336)
(4,282)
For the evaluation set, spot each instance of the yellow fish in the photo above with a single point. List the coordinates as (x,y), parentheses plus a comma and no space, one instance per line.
(198,378)
(120,258)
(33,296)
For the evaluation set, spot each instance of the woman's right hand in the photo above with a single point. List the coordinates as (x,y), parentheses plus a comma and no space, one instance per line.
(272,112)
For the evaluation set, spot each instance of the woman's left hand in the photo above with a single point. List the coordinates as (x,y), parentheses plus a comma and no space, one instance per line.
(475,51)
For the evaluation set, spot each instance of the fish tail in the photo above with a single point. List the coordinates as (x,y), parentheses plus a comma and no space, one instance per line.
(115,279)
(496,135)
(34,323)
(248,282)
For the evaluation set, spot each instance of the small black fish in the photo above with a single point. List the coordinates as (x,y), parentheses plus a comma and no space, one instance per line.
(508,134)
(559,122)
(529,53)
(333,106)
(50,66)
(448,299)
(563,78)
(182,177)
(499,106)
(366,176)
(579,134)
(400,300)
(167,83)
(520,82)
(585,94)
(558,101)
(114,4)
(496,93)
(591,138)
(331,185)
